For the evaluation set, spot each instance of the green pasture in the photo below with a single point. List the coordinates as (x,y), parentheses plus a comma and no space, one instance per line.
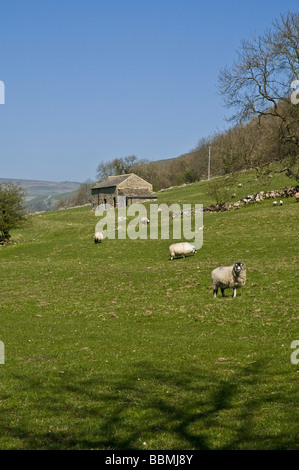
(114,346)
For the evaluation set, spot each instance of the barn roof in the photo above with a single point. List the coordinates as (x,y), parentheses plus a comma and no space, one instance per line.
(111,181)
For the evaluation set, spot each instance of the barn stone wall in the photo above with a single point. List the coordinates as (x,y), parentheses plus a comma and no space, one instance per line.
(129,187)
(104,196)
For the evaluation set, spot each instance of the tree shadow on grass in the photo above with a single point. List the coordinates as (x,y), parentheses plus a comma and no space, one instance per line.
(148,408)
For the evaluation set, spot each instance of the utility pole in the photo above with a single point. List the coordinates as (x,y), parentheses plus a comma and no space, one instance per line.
(209,164)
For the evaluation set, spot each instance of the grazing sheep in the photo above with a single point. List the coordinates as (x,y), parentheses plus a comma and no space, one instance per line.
(280,202)
(275,203)
(144,220)
(98,237)
(228,277)
(182,248)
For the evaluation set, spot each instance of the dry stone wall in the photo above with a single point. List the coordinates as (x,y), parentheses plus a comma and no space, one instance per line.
(255,197)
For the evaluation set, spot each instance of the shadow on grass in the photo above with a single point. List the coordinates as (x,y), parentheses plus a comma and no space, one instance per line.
(149,408)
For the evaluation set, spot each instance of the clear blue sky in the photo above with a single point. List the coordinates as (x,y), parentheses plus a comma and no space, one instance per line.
(90,80)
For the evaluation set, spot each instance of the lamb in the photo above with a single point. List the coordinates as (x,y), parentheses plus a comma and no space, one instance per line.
(229,277)
(274,203)
(98,237)
(182,248)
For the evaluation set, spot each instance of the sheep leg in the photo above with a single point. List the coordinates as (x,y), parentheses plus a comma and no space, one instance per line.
(222,292)
(235,292)
(215,293)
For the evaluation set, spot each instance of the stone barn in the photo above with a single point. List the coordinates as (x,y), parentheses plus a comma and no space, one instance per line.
(122,190)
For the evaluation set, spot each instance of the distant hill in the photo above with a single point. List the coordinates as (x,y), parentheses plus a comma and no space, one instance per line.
(36,188)
(43,195)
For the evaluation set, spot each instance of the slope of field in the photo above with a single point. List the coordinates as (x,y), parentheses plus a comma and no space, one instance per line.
(198,193)
(114,346)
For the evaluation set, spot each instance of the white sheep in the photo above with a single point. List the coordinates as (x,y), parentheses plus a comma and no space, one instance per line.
(98,237)
(182,248)
(275,203)
(280,202)
(229,277)
(144,220)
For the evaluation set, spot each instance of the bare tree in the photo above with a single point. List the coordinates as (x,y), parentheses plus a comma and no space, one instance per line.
(220,190)
(261,80)
(118,166)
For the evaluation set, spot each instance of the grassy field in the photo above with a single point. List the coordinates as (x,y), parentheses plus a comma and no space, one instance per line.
(114,346)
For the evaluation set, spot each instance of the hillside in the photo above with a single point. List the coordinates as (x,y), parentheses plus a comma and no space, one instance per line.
(36,188)
(43,195)
(198,193)
(114,346)
(257,144)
